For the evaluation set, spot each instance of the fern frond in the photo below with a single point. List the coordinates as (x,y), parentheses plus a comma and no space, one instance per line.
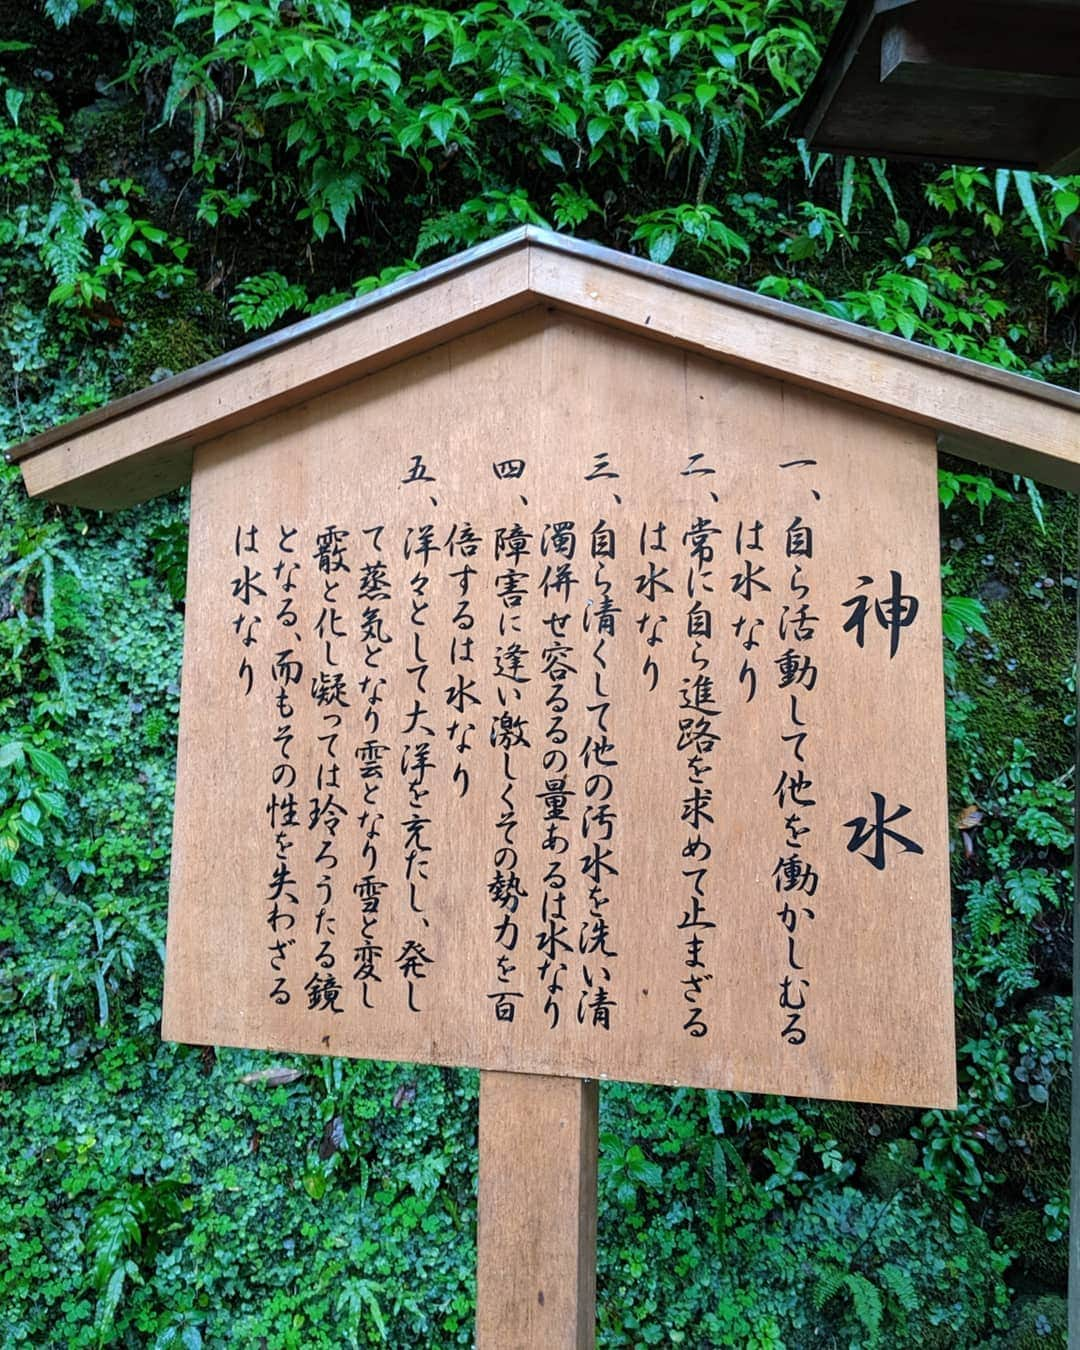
(830,1281)
(61,11)
(260,301)
(1030,889)
(983,912)
(1014,956)
(451,227)
(64,250)
(867,1302)
(899,1283)
(582,48)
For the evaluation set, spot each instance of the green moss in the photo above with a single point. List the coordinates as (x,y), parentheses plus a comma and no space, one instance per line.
(847,1125)
(861,1128)
(891,1166)
(1038,1324)
(1026,580)
(105,139)
(173,332)
(1039,1172)
(1049,1135)
(1042,1169)
(1039,1260)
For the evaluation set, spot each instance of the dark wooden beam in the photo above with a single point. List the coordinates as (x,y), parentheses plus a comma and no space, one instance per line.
(989,50)
(1067,163)
(847,40)
(989,82)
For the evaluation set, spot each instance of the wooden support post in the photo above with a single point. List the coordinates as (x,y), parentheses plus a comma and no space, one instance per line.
(536,1245)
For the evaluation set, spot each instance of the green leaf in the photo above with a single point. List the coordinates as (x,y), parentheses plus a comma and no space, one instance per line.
(188,12)
(679,125)
(226,18)
(983,913)
(868,1306)
(198,127)
(649,84)
(11,752)
(30,833)
(662,245)
(410,134)
(919,292)
(48,765)
(441,123)
(643,1169)
(1028,890)
(829,1282)
(340,197)
(581,46)
(960,613)
(847,188)
(597,129)
(1035,501)
(615,95)
(716,1118)
(62,293)
(110,1299)
(877,168)
(261,300)
(102,998)
(14,99)
(1066,203)
(781,112)
(314,1182)
(1001,187)
(1022,179)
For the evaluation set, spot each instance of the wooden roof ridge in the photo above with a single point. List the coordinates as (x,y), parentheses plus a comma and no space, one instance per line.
(140,445)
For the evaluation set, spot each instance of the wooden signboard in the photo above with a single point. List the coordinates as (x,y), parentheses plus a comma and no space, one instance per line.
(565,702)
(562,695)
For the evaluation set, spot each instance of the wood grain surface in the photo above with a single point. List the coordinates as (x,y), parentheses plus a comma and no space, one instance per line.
(694,832)
(536,1236)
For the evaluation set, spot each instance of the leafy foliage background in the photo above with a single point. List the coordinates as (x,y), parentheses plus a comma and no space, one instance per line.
(174,175)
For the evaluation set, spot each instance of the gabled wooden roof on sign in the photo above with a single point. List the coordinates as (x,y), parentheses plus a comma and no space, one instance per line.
(141,446)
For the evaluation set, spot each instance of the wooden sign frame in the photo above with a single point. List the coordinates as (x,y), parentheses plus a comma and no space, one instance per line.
(537,1215)
(630,693)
